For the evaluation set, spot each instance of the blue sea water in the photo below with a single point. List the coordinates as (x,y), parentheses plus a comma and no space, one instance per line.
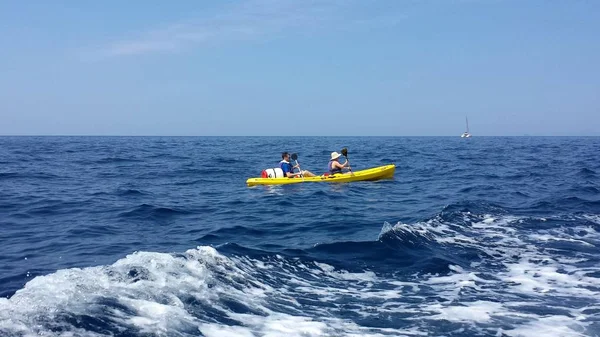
(160,236)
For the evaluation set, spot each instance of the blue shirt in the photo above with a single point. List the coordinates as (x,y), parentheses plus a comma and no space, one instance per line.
(286,167)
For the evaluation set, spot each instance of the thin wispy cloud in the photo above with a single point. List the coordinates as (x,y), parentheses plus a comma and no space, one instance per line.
(253,19)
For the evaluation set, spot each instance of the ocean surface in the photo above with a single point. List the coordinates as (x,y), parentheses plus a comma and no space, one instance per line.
(160,236)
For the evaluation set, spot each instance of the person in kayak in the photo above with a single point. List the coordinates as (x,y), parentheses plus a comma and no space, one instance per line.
(335,166)
(288,168)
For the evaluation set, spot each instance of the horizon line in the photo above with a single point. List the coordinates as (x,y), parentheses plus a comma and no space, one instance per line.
(286,136)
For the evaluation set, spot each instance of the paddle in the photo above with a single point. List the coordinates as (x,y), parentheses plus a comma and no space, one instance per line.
(345,154)
(295,158)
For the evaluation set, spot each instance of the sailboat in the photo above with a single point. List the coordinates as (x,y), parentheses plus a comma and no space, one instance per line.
(466,134)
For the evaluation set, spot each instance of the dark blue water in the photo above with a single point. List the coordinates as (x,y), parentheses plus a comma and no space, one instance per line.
(111,236)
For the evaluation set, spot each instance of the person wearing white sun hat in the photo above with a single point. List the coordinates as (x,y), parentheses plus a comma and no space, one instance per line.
(334,165)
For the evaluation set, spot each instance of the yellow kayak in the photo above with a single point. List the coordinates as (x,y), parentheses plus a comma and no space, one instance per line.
(375,173)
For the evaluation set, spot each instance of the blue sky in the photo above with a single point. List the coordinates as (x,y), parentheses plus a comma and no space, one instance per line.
(302,67)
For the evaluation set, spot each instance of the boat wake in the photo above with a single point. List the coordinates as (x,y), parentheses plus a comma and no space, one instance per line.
(456,274)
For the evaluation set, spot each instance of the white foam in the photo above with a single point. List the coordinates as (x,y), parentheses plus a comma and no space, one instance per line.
(282,324)
(77,291)
(593,218)
(324,267)
(154,317)
(553,326)
(367,276)
(203,291)
(548,237)
(536,274)
(532,278)
(219,330)
(479,311)
(152,297)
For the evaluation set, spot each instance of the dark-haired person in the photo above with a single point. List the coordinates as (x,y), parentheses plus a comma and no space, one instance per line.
(288,169)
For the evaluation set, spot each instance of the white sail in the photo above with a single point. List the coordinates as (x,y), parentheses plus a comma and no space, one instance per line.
(466,134)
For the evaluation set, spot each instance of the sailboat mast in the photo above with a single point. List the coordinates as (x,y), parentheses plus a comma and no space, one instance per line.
(467,119)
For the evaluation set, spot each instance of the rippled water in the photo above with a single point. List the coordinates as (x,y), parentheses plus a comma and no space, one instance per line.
(117,236)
